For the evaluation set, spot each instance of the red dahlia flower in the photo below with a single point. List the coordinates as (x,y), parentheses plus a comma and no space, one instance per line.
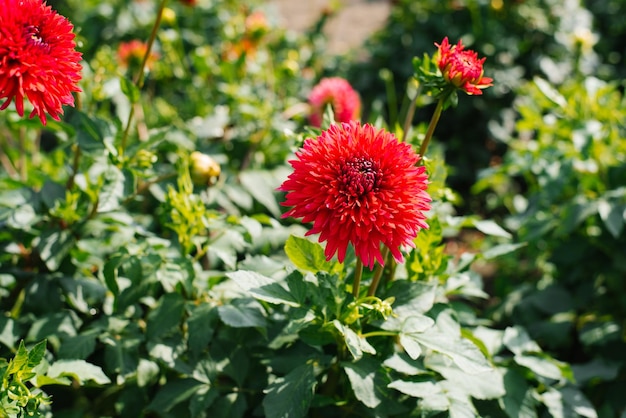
(462,67)
(340,95)
(38,59)
(358,185)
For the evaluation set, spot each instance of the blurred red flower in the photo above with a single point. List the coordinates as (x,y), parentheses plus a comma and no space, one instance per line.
(462,67)
(38,59)
(358,185)
(337,92)
(131,53)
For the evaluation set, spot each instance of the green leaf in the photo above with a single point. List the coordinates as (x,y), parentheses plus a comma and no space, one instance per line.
(110,271)
(416,389)
(612,216)
(112,190)
(8,334)
(19,361)
(307,255)
(412,297)
(568,402)
(367,384)
(147,372)
(541,365)
(232,405)
(54,245)
(263,288)
(202,399)
(465,354)
(518,401)
(407,327)
(80,370)
(166,316)
(550,92)
(502,249)
(173,393)
(484,385)
(261,185)
(291,396)
(201,325)
(356,344)
(242,313)
(518,341)
(489,227)
(35,354)
(129,89)
(402,363)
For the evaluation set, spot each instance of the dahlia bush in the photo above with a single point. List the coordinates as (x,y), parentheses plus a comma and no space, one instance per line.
(205,220)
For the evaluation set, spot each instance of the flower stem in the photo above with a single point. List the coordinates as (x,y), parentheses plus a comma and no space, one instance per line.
(431,129)
(408,120)
(358,272)
(378,272)
(140,76)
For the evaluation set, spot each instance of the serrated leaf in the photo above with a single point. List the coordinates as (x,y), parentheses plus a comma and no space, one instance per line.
(19,361)
(291,396)
(79,370)
(489,227)
(35,354)
(307,255)
(263,288)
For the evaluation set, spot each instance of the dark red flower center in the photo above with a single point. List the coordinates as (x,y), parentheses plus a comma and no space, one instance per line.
(32,34)
(360,176)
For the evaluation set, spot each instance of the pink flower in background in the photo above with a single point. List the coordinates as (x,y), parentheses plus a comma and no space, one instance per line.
(359,185)
(337,92)
(462,67)
(131,53)
(38,58)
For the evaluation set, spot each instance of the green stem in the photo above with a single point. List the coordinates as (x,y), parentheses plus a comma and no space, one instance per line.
(408,120)
(358,273)
(431,128)
(378,272)
(379,334)
(140,76)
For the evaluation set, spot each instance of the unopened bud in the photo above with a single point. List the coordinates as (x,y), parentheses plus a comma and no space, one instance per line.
(204,170)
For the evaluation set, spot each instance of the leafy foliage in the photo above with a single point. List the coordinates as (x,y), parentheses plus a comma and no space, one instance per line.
(144,292)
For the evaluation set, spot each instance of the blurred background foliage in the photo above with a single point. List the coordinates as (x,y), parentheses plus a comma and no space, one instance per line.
(109,270)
